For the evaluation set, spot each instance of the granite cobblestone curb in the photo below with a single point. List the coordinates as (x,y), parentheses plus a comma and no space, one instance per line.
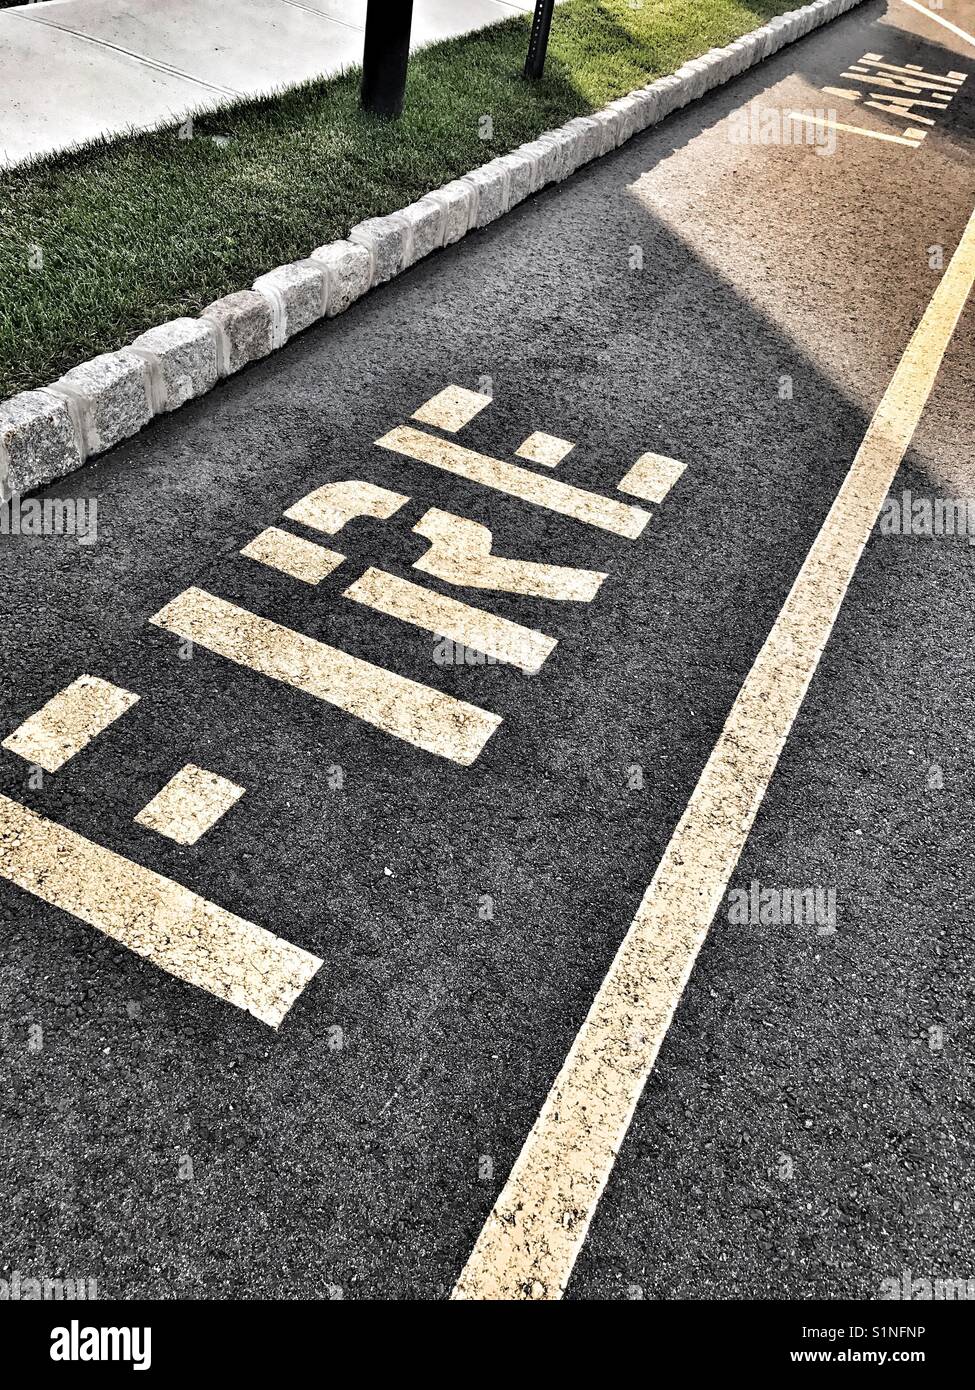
(49,432)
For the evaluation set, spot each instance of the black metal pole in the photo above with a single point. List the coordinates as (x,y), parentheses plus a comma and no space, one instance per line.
(538,43)
(385,56)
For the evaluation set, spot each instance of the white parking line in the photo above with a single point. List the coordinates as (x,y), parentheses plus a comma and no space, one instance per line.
(69,721)
(604,512)
(452,408)
(485,632)
(651,477)
(546,449)
(533,1235)
(173,927)
(461,552)
(827,123)
(420,715)
(292,555)
(329,508)
(189,805)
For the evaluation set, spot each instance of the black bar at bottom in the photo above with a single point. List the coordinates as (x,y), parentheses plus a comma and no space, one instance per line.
(903,1328)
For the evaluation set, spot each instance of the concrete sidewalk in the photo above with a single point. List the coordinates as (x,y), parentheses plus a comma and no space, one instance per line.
(77,69)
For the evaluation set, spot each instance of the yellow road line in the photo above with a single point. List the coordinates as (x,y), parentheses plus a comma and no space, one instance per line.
(945,23)
(857,129)
(292,555)
(545,449)
(556,496)
(452,408)
(460,554)
(447,617)
(531,1239)
(161,920)
(189,804)
(69,722)
(406,709)
(651,477)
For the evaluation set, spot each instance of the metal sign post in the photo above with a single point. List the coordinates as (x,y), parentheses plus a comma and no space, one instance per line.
(538,43)
(385,56)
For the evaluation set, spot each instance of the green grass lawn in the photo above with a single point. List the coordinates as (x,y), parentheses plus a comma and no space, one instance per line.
(139,230)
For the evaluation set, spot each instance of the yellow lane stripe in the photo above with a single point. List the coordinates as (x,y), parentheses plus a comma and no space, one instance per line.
(161,920)
(452,408)
(651,477)
(69,721)
(447,617)
(531,1239)
(424,717)
(189,804)
(292,555)
(556,496)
